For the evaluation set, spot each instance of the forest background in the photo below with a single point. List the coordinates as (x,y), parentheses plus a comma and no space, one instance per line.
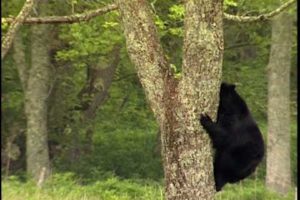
(102,137)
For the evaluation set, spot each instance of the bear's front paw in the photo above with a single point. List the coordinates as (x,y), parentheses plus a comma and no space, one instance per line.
(205,120)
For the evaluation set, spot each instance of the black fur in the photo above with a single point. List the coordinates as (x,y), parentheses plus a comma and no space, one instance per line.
(236,138)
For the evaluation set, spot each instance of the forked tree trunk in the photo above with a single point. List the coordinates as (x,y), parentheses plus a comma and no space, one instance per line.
(177,104)
(278,150)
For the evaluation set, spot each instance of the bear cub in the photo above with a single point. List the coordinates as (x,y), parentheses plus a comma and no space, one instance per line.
(236,138)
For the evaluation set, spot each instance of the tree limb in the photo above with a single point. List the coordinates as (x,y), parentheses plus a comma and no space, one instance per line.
(261,17)
(66,19)
(15,24)
(145,51)
(94,13)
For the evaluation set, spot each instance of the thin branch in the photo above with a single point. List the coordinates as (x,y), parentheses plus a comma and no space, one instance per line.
(15,24)
(261,17)
(239,45)
(126,76)
(66,19)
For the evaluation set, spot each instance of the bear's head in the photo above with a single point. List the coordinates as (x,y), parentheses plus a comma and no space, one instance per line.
(227,89)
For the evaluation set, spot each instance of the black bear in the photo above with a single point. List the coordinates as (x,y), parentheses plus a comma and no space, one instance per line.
(236,138)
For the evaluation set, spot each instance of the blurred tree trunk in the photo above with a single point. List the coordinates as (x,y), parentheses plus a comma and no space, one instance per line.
(99,82)
(278,176)
(36,94)
(177,104)
(19,59)
(92,96)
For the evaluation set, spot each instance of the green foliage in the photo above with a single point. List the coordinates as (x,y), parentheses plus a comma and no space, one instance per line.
(12,99)
(4,27)
(229,3)
(177,12)
(125,138)
(176,16)
(160,23)
(90,40)
(129,155)
(294,155)
(11,8)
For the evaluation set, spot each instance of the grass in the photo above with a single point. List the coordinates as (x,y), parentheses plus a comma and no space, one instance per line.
(66,187)
(250,189)
(97,183)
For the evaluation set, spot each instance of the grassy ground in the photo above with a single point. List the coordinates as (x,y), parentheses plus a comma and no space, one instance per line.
(66,187)
(126,151)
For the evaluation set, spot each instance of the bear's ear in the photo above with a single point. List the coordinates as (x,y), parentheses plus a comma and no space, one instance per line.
(224,85)
(227,86)
(232,86)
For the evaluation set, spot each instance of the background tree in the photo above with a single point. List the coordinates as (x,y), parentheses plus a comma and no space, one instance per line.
(278,176)
(36,96)
(35,81)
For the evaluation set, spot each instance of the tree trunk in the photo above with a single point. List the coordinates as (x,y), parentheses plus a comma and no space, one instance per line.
(177,104)
(278,176)
(34,82)
(92,96)
(19,59)
(36,94)
(98,84)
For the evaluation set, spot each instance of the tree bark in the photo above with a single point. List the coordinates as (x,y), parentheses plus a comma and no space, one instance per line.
(278,176)
(8,38)
(177,104)
(199,93)
(36,94)
(20,61)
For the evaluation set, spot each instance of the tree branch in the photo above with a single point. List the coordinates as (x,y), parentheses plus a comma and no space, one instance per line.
(15,24)
(239,45)
(145,51)
(261,17)
(66,19)
(94,13)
